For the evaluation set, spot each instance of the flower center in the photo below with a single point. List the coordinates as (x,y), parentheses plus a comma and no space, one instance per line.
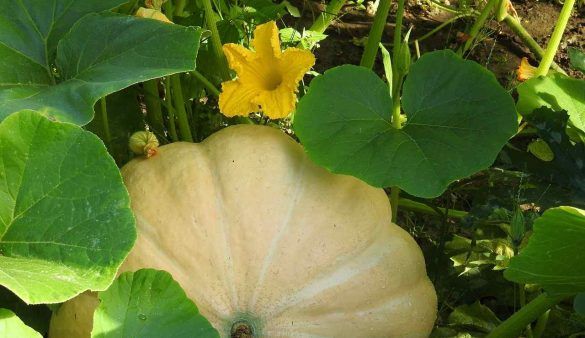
(272,80)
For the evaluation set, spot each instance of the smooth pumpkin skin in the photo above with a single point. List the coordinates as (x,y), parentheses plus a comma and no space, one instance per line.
(75,317)
(253,230)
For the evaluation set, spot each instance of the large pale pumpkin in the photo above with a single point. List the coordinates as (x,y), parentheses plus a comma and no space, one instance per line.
(265,241)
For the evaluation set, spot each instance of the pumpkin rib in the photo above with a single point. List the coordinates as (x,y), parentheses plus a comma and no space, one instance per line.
(329,275)
(311,253)
(268,259)
(356,265)
(219,197)
(415,327)
(171,262)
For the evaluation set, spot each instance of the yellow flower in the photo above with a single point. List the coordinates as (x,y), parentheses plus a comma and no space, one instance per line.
(267,78)
(525,71)
(151,13)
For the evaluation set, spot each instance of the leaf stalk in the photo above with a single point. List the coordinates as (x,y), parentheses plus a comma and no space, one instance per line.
(375,36)
(514,325)
(105,123)
(555,39)
(179,104)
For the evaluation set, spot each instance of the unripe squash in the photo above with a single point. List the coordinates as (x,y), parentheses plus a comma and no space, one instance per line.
(267,243)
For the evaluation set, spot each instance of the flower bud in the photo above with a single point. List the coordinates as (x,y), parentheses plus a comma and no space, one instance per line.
(144,143)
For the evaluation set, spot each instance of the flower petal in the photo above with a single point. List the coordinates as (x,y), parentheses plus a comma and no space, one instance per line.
(243,61)
(237,98)
(294,64)
(265,42)
(277,103)
(525,71)
(151,13)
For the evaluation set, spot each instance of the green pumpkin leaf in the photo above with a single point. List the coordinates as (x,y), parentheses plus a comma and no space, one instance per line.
(65,218)
(101,54)
(554,256)
(12,326)
(475,316)
(33,28)
(148,303)
(557,92)
(458,119)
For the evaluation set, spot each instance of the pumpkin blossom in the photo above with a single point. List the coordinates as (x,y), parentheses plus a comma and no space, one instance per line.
(525,71)
(151,13)
(267,77)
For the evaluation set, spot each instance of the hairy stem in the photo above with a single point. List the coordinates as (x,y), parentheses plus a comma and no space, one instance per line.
(375,36)
(179,104)
(211,21)
(105,124)
(478,24)
(522,298)
(441,26)
(541,324)
(208,85)
(514,325)
(326,17)
(171,110)
(397,78)
(555,39)
(527,39)
(422,208)
(397,39)
(153,106)
(180,7)
(444,7)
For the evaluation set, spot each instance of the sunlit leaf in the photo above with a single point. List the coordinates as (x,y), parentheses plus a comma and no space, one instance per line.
(557,92)
(65,218)
(148,303)
(12,326)
(56,67)
(554,256)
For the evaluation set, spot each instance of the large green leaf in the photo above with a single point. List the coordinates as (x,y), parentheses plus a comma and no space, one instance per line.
(554,256)
(557,92)
(148,303)
(33,28)
(101,54)
(459,118)
(65,218)
(12,326)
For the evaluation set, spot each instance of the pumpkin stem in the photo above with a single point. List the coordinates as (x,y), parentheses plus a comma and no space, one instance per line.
(242,329)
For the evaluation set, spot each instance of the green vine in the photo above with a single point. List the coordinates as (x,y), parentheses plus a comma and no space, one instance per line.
(514,325)
(211,21)
(556,37)
(105,123)
(326,17)
(375,36)
(179,104)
